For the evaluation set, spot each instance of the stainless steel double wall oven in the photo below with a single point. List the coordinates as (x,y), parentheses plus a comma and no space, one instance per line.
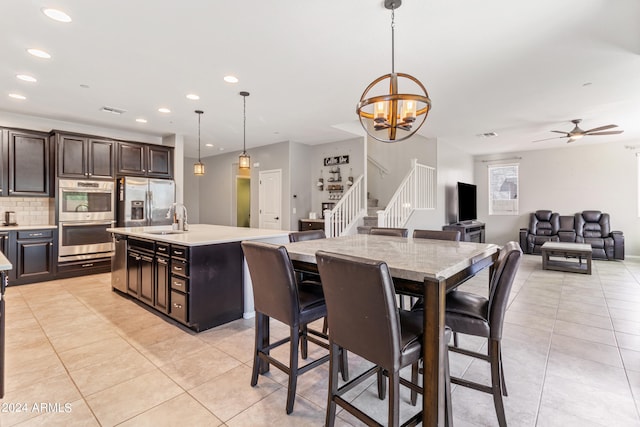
(86,208)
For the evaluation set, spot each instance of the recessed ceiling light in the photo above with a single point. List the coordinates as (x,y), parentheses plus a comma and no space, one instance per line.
(231,79)
(17,96)
(26,78)
(208,145)
(164,110)
(141,120)
(39,53)
(84,86)
(56,15)
(193,97)
(221,148)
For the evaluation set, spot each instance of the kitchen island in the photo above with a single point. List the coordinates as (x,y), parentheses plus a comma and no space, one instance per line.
(197,277)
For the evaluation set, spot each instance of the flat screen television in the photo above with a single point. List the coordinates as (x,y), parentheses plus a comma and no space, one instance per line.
(467,202)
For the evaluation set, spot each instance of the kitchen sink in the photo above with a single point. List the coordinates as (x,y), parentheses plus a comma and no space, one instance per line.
(162,232)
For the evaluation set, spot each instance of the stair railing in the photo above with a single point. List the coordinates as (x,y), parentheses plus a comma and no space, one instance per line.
(417,191)
(347,211)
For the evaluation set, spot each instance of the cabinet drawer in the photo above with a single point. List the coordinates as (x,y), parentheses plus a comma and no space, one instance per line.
(179,284)
(181,252)
(35,234)
(162,248)
(178,308)
(179,267)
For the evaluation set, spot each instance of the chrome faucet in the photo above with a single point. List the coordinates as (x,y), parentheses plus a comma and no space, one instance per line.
(179,216)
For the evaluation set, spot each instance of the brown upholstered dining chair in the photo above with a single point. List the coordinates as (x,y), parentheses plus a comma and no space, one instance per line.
(371,327)
(278,295)
(389,231)
(301,236)
(472,314)
(453,235)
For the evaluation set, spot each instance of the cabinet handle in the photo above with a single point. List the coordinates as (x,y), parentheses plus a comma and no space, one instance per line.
(162,261)
(35,234)
(50,243)
(177,268)
(178,252)
(177,284)
(176,305)
(87,265)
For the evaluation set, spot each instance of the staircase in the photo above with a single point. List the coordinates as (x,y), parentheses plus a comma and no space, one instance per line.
(371,219)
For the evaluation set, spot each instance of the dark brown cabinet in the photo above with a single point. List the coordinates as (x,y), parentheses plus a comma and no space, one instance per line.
(85,157)
(28,163)
(472,232)
(305,224)
(197,286)
(145,160)
(34,256)
(162,278)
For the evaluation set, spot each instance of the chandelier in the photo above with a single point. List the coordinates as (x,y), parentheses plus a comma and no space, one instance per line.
(198,168)
(384,108)
(244,161)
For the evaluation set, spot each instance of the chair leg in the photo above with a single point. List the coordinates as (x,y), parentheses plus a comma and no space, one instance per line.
(448,405)
(258,348)
(382,385)
(304,343)
(325,326)
(455,339)
(333,384)
(494,358)
(344,364)
(415,370)
(504,384)
(293,369)
(394,399)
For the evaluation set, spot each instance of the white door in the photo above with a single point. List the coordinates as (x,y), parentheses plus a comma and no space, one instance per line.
(270,199)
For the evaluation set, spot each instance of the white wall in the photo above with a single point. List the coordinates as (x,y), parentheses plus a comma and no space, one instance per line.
(568,179)
(354,148)
(396,159)
(191,193)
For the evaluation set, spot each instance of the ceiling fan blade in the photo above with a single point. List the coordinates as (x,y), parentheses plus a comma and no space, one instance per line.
(611,132)
(559,131)
(601,128)
(546,139)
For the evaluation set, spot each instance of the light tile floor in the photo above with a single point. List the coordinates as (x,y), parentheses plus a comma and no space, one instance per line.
(78,354)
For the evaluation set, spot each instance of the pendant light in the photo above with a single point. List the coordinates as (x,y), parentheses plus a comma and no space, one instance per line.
(198,168)
(244,161)
(399,114)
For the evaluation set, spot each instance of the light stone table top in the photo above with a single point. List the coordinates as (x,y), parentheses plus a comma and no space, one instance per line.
(407,258)
(201,234)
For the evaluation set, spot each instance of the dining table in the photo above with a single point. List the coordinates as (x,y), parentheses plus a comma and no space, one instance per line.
(420,267)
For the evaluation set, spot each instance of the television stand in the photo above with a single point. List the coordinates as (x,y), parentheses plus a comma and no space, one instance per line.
(470,231)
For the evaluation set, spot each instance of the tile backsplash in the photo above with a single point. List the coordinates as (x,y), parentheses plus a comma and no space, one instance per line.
(29,210)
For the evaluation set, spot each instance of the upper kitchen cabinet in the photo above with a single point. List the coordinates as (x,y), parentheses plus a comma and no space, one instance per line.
(145,160)
(85,157)
(28,163)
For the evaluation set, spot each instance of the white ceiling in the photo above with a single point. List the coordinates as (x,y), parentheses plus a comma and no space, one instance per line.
(516,68)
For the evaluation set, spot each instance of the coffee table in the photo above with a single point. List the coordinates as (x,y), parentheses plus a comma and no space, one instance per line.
(567,250)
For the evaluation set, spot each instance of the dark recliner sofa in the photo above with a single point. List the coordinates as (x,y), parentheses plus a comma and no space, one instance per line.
(592,227)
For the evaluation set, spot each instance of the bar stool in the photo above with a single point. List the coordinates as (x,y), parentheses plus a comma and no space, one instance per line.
(364,319)
(277,294)
(389,231)
(301,236)
(452,235)
(471,314)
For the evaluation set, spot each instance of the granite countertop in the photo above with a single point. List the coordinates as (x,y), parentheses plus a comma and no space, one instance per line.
(4,263)
(200,234)
(27,227)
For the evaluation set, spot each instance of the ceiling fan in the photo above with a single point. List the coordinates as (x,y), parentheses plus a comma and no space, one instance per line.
(578,133)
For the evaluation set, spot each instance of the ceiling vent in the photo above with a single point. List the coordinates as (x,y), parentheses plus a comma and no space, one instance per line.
(487,135)
(113,110)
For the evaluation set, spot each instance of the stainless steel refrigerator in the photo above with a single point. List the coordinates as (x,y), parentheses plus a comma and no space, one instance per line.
(144,201)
